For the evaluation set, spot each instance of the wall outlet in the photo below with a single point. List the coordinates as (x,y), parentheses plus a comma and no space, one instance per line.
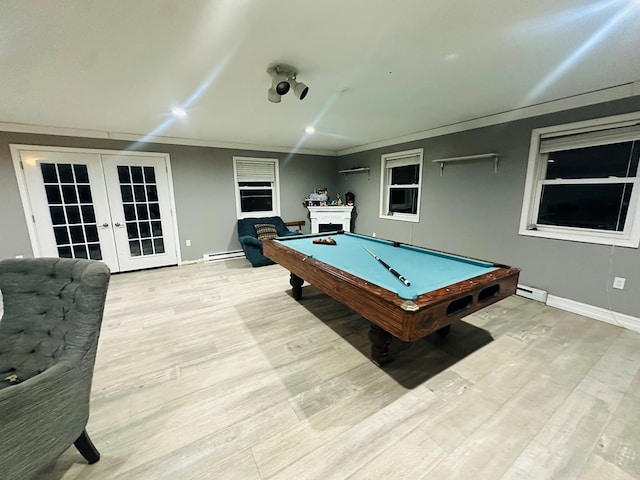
(374,234)
(187,243)
(618,282)
(19,256)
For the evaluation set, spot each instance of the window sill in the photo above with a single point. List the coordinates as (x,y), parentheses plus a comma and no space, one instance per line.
(258,215)
(401,217)
(582,238)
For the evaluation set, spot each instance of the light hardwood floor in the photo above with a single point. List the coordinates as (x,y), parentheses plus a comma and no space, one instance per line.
(213,371)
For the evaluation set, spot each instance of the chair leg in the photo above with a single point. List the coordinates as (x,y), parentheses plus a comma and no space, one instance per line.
(86,448)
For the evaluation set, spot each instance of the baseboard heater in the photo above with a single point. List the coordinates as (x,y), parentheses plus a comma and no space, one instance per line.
(532,293)
(213,257)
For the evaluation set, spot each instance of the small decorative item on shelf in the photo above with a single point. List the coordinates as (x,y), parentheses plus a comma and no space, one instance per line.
(339,200)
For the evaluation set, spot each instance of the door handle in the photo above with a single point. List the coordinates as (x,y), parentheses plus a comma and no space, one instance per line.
(105,225)
(118,224)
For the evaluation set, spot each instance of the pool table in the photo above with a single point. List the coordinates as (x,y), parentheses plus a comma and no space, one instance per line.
(442,287)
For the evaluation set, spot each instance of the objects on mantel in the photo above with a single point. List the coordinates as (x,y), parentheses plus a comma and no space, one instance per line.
(350,198)
(482,156)
(318,198)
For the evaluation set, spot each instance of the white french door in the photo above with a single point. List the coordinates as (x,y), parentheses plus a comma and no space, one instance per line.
(109,206)
(139,202)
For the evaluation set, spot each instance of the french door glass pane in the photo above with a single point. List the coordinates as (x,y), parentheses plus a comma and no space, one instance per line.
(138,190)
(71,209)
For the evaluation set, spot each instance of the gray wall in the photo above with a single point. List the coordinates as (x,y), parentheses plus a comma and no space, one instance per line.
(203,187)
(474,212)
(470,210)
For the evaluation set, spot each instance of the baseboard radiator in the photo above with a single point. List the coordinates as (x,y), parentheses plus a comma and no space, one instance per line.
(532,293)
(214,257)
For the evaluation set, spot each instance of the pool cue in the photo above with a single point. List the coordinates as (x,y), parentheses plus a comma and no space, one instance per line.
(388,267)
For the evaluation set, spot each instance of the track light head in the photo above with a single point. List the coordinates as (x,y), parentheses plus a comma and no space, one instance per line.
(281,86)
(280,80)
(300,90)
(273,96)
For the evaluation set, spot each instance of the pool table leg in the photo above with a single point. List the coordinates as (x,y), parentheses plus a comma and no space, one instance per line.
(296,286)
(444,331)
(380,341)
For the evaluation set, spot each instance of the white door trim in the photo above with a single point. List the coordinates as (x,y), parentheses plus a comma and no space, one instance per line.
(24,194)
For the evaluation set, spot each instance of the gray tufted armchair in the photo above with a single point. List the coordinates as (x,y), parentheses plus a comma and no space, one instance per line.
(48,338)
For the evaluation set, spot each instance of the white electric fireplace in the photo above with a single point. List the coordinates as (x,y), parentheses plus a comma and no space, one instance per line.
(330,218)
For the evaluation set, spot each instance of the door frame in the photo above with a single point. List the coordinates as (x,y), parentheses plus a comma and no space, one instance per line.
(16,148)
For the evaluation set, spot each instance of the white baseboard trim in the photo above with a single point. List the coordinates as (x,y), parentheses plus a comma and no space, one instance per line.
(191,262)
(602,314)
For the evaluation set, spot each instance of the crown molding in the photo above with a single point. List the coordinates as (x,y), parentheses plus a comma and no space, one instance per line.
(130,137)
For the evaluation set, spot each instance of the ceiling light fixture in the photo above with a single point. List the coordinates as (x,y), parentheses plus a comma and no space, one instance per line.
(310,129)
(283,79)
(178,112)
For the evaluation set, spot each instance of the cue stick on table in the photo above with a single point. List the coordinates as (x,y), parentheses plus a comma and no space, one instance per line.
(388,267)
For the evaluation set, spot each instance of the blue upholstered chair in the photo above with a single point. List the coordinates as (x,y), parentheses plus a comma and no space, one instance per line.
(251,244)
(51,317)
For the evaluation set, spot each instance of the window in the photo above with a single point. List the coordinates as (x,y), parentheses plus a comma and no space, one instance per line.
(256,181)
(583,182)
(400,185)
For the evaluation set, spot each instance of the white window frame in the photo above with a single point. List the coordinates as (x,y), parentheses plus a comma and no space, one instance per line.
(536,171)
(397,159)
(262,175)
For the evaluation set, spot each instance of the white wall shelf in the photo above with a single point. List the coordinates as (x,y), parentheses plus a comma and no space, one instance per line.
(468,158)
(355,170)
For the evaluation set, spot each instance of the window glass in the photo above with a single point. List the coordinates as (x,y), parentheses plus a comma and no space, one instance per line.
(256,200)
(255,184)
(601,207)
(404,200)
(615,160)
(406,175)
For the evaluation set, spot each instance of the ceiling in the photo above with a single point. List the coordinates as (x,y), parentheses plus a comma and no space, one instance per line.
(377,70)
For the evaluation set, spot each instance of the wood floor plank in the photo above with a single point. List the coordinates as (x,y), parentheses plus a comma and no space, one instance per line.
(619,444)
(213,371)
(563,445)
(598,468)
(356,447)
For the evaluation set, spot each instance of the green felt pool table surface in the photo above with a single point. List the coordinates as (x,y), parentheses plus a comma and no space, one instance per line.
(426,269)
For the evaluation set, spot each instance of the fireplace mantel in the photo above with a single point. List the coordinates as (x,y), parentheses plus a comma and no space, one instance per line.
(330,218)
